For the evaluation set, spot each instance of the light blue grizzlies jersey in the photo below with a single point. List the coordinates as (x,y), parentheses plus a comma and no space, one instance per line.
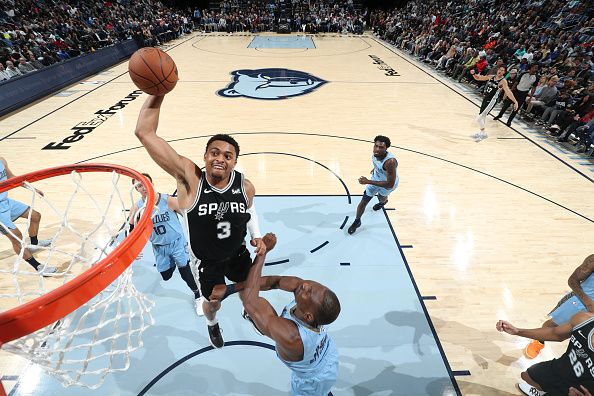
(379,174)
(166,225)
(318,370)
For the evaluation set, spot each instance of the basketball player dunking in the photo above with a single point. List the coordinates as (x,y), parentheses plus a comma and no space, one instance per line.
(218,208)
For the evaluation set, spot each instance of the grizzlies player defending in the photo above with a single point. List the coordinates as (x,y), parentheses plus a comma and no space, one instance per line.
(169,243)
(218,208)
(10,210)
(384,179)
(299,333)
(574,369)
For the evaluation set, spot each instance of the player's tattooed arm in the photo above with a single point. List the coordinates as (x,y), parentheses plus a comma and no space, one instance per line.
(580,274)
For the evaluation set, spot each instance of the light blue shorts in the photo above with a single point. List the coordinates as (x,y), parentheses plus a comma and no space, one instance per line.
(316,384)
(566,309)
(175,253)
(372,190)
(10,210)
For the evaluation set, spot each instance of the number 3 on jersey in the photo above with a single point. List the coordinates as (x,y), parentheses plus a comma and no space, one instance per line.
(224,229)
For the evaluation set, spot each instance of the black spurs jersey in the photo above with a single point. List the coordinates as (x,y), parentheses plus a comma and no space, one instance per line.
(576,365)
(217,220)
(492,88)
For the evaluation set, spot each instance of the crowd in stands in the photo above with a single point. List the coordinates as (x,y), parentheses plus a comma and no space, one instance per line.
(552,39)
(322,16)
(38,33)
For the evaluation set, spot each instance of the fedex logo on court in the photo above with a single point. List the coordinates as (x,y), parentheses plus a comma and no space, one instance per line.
(82,128)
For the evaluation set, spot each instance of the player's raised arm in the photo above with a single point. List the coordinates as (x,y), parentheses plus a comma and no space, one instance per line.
(480,77)
(181,168)
(282,331)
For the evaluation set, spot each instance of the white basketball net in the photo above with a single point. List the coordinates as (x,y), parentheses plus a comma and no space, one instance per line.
(84,225)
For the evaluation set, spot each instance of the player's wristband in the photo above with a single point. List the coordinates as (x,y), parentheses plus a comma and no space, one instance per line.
(252,225)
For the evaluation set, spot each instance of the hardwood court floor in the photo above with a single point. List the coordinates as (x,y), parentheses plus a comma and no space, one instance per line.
(496,228)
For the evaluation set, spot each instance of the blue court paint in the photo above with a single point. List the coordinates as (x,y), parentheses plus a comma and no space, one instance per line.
(282,42)
(385,341)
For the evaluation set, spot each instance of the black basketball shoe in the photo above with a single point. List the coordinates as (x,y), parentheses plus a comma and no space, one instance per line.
(356,224)
(215,336)
(249,319)
(378,206)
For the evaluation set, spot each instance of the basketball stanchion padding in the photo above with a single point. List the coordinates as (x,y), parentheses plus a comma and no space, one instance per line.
(81,322)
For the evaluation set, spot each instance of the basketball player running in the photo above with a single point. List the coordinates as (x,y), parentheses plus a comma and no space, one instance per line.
(218,209)
(495,84)
(384,179)
(580,299)
(10,210)
(169,243)
(301,339)
(573,369)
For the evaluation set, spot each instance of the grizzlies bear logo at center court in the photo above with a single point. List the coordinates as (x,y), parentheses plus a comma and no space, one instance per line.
(270,84)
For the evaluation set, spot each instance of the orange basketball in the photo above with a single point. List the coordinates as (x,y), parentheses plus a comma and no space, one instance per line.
(153,71)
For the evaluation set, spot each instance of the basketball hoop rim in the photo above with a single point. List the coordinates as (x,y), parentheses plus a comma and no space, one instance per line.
(54,305)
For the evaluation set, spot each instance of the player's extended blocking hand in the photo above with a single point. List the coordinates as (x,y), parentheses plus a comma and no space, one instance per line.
(270,241)
(259,245)
(265,244)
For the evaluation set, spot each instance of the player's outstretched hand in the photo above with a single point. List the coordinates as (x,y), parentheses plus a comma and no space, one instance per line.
(507,327)
(579,392)
(260,246)
(270,241)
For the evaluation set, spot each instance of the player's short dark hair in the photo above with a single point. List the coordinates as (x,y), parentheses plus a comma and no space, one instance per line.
(329,309)
(146,175)
(382,139)
(225,138)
